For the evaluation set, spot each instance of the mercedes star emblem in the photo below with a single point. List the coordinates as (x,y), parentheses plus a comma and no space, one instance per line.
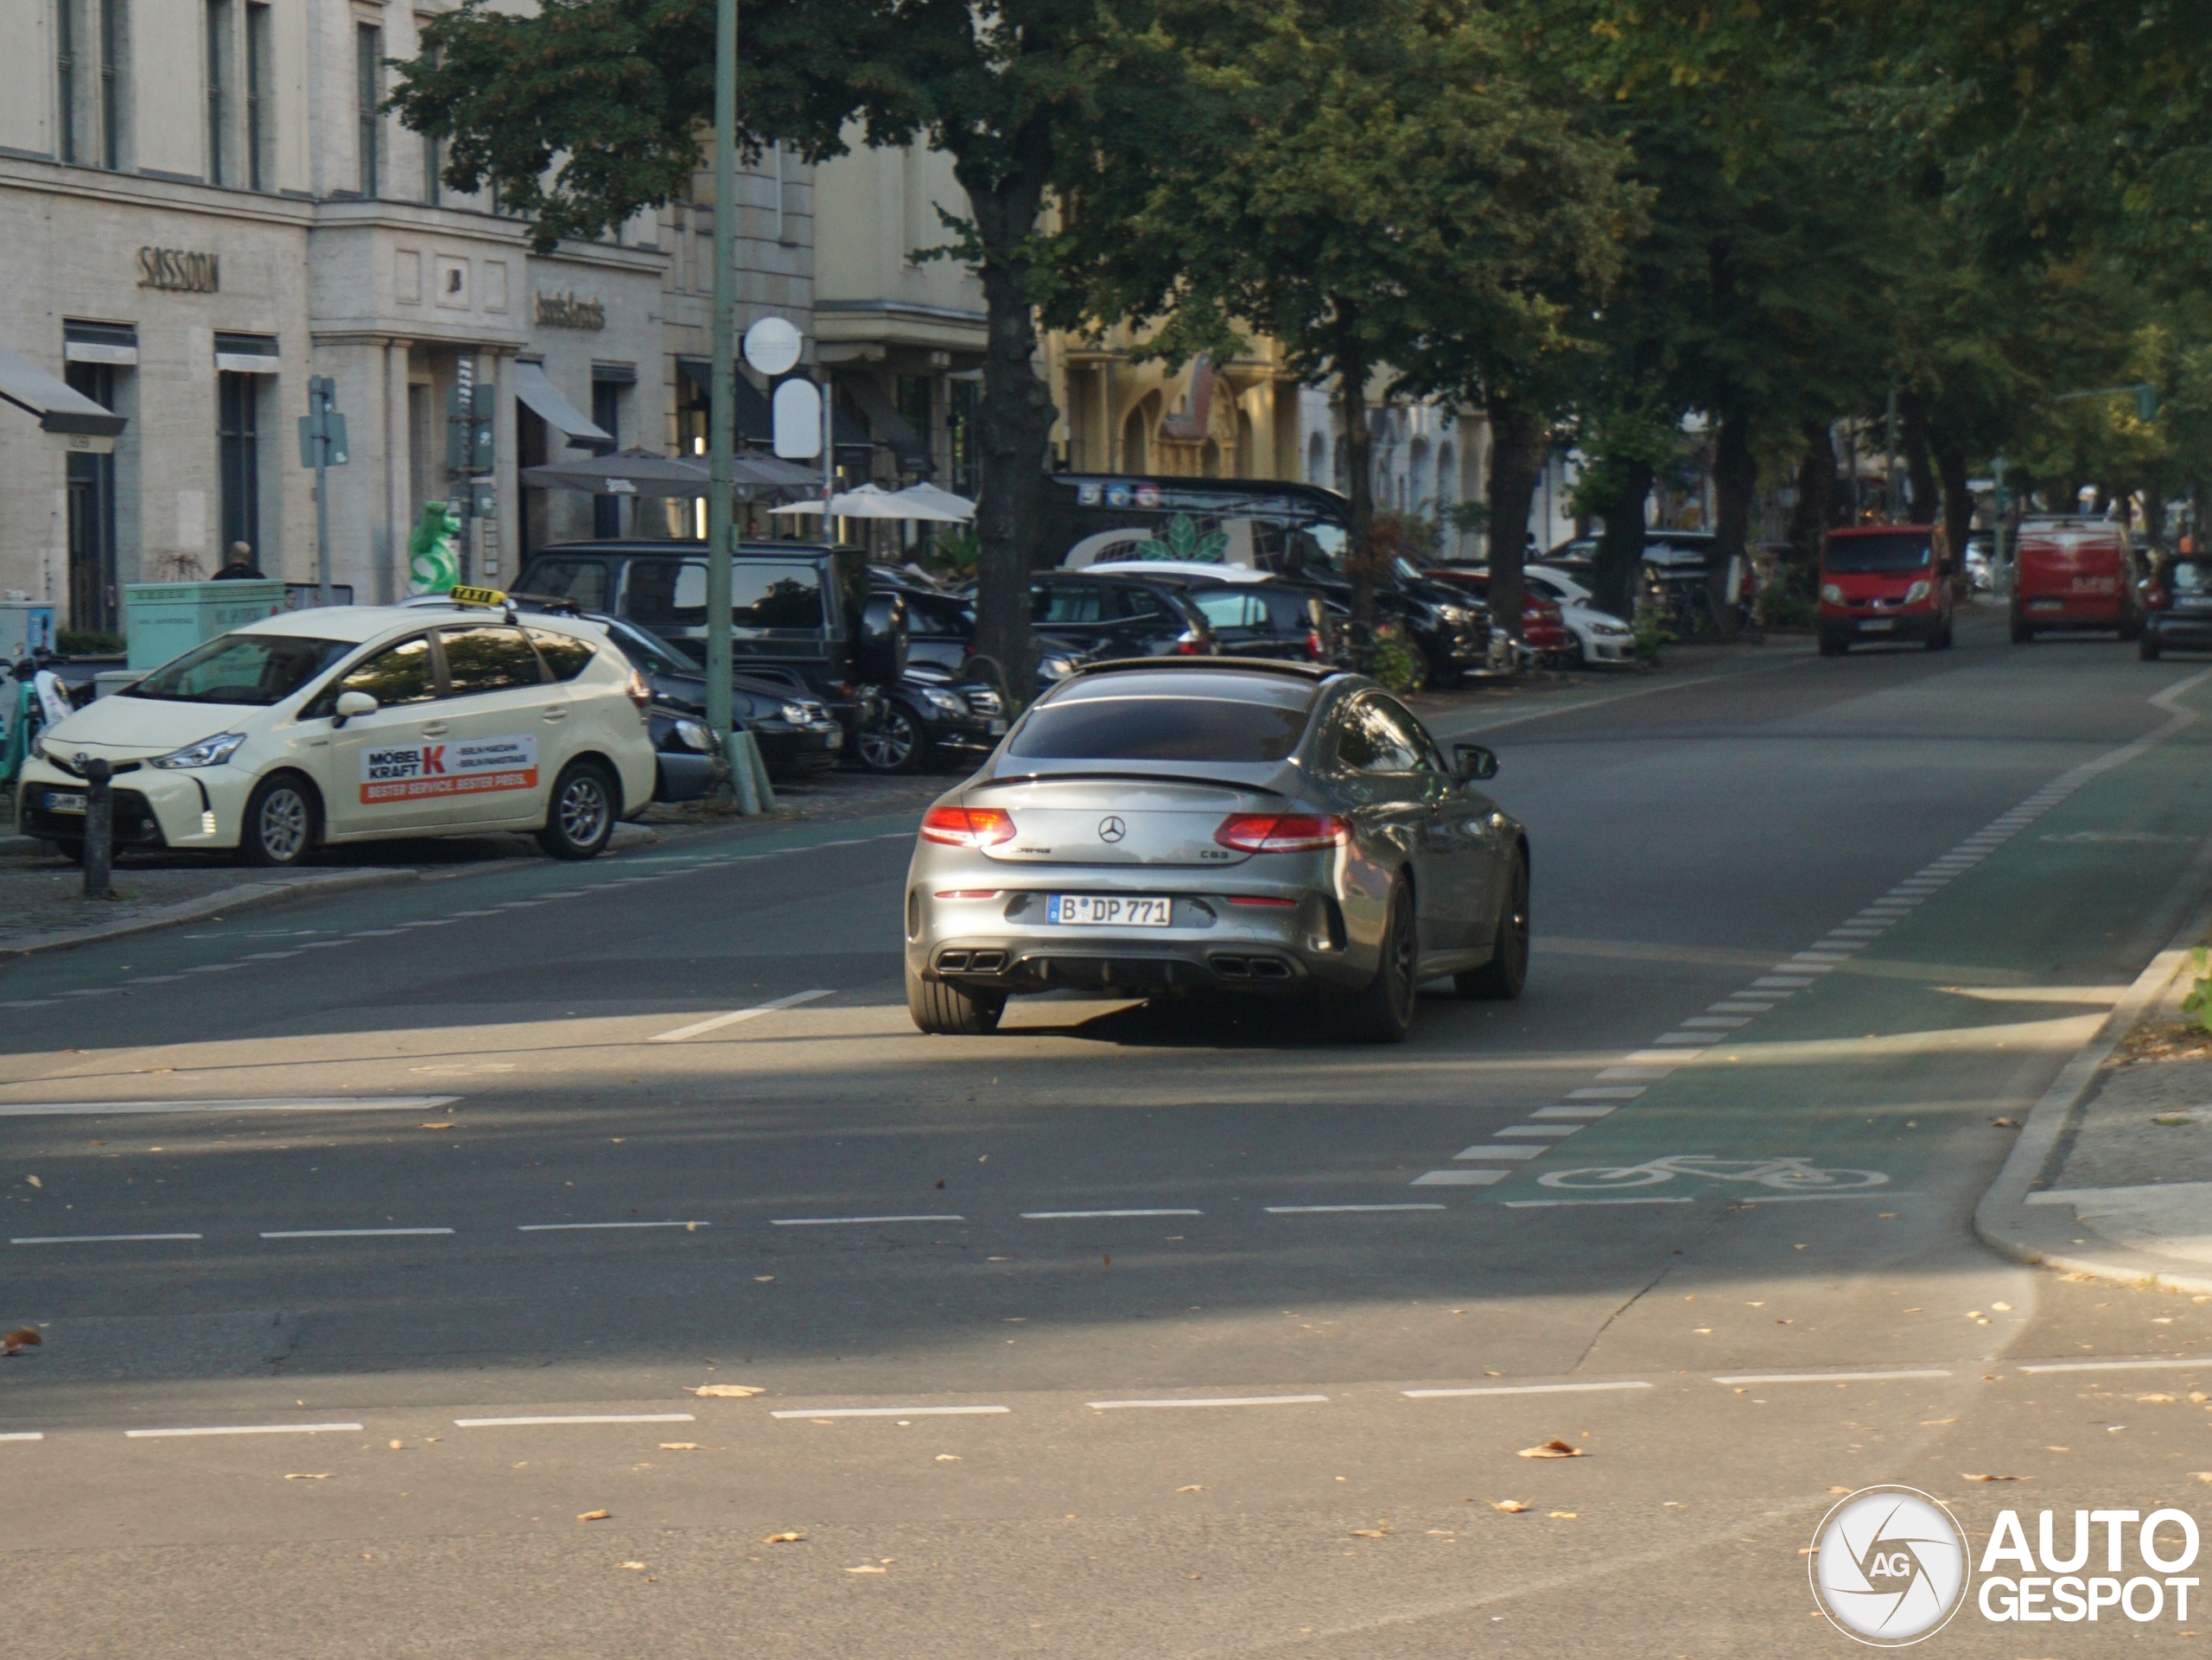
(1111,829)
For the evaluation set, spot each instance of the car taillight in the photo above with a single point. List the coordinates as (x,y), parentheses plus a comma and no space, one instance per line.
(1265,832)
(1314,644)
(1261,900)
(967,827)
(640,693)
(1190,643)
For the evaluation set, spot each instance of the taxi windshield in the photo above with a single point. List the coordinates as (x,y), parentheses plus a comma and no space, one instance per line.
(256,669)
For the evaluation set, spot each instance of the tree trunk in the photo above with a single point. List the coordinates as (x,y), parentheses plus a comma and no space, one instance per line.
(1920,478)
(1349,359)
(1814,513)
(1014,418)
(1958,500)
(1516,456)
(1735,480)
(1613,574)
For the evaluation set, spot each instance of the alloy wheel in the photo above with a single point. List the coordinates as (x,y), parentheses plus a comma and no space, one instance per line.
(889,745)
(282,825)
(583,810)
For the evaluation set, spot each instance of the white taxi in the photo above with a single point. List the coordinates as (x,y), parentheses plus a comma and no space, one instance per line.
(356,723)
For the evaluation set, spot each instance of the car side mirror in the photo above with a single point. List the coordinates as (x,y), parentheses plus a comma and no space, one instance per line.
(351,704)
(1475,762)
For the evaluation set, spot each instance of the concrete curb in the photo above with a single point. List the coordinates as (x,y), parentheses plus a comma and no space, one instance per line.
(2044,1234)
(256,895)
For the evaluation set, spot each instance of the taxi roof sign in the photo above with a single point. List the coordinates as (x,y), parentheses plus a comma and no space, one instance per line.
(485,597)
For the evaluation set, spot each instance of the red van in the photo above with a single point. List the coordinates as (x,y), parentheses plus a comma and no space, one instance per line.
(2072,574)
(1882,583)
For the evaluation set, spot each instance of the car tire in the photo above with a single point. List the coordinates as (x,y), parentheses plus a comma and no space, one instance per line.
(2021,633)
(581,812)
(282,823)
(2147,648)
(1830,646)
(944,1009)
(1383,1013)
(896,743)
(1500,979)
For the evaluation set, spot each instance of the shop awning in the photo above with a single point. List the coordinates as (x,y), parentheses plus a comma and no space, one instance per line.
(537,389)
(891,428)
(59,406)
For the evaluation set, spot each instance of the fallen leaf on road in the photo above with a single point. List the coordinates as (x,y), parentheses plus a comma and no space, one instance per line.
(1563,1515)
(1807,1550)
(1701,1331)
(2004,1123)
(868,1568)
(397,1446)
(783,1539)
(1510,1506)
(1487,1372)
(1843,1489)
(2057,1449)
(25,1336)
(948,1458)
(2002,1308)
(2155,1399)
(726,1391)
(593,1516)
(446,1126)
(2202,1475)
(1380,1531)
(34,1181)
(635,1567)
(1930,1423)
(1968,1478)
(1552,1449)
(764,1279)
(1190,1489)
(680,1447)
(325,1476)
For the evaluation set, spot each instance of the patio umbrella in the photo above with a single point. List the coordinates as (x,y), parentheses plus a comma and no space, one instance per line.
(927,501)
(866,501)
(642,473)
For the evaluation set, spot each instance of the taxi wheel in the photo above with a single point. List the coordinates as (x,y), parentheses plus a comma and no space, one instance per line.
(279,830)
(580,817)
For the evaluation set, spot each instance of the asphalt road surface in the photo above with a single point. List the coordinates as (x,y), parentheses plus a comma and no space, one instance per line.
(1132,1330)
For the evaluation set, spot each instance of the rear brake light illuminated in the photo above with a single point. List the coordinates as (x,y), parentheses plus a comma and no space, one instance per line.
(1255,898)
(967,827)
(1250,832)
(1314,644)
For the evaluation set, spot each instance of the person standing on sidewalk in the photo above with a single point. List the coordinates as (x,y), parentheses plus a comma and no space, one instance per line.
(240,567)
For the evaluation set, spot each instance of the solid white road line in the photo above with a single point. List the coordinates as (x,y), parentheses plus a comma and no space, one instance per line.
(578,1418)
(1799,1198)
(283,1103)
(889,1412)
(237,1429)
(732,1018)
(1072,1216)
(349,1233)
(2120,1366)
(579,1227)
(95,1238)
(23,1435)
(1829,1377)
(1519,1388)
(1558,1204)
(1334,1210)
(1214,1401)
(852,1221)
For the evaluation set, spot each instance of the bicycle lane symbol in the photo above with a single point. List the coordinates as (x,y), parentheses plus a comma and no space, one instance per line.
(1794,1173)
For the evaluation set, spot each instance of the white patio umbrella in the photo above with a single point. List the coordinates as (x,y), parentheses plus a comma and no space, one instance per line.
(927,501)
(867,501)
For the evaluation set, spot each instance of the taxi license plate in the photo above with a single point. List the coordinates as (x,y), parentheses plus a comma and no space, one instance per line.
(1877,624)
(1098,911)
(57,801)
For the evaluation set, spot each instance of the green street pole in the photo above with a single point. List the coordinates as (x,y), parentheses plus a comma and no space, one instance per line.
(721,442)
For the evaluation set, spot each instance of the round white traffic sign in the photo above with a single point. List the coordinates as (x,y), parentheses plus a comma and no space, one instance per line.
(772,345)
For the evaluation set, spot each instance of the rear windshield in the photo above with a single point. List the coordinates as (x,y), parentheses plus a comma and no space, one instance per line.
(256,669)
(1142,727)
(1896,550)
(583,581)
(765,596)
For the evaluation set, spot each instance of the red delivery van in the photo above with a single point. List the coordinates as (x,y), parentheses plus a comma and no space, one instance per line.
(1884,583)
(2072,574)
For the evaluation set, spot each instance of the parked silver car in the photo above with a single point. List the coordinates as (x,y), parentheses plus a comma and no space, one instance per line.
(1217,823)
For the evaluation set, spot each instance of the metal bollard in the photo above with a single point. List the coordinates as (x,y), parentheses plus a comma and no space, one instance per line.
(99,828)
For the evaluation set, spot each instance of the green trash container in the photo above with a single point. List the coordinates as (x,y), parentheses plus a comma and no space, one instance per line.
(166,619)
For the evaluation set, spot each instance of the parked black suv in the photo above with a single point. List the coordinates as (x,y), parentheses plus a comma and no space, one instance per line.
(797,734)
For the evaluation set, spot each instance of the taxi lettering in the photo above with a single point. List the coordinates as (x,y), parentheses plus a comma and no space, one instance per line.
(410,772)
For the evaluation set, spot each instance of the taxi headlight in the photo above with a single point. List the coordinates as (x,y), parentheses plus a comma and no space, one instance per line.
(208,752)
(692,736)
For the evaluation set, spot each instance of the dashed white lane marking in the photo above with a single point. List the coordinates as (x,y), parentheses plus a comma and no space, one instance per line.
(1074,1216)
(318,945)
(1336,1210)
(1565,1204)
(852,1221)
(1213,1401)
(1588,1114)
(1832,1376)
(1493,1150)
(295,1103)
(716,1022)
(216,968)
(1460,1178)
(1607,1093)
(23,1435)
(1542,1131)
(238,1429)
(96,1238)
(271,957)
(1519,1388)
(350,1233)
(2120,1366)
(890,1412)
(585,1227)
(578,1418)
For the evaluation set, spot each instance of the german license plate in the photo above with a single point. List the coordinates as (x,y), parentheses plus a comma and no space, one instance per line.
(1877,624)
(61,801)
(836,739)
(998,728)
(1098,910)
(2046,605)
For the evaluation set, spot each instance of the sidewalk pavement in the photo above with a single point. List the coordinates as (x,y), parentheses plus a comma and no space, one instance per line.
(2112,1175)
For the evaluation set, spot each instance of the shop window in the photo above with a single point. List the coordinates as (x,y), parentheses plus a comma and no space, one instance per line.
(238,425)
(92,591)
